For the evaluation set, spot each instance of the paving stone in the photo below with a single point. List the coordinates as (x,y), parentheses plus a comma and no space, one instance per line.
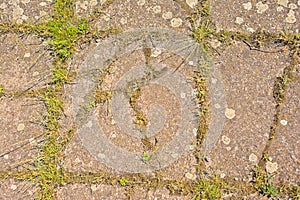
(20,131)
(14,189)
(24,63)
(126,15)
(249,15)
(285,149)
(248,78)
(153,194)
(89,192)
(20,11)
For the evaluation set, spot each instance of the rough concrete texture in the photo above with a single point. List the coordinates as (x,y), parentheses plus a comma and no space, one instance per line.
(248,78)
(285,150)
(250,16)
(25,64)
(21,131)
(19,11)
(14,189)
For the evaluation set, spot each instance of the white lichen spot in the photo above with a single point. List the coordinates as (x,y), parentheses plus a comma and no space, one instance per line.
(167,15)
(279,9)
(271,167)
(43,13)
(101,155)
(229,113)
(253,157)
(283,2)
(156,9)
(183,95)
(13,187)
(176,22)
(251,30)
(225,140)
(25,1)
(292,6)
(247,6)
(261,7)
(291,18)
(24,17)
(6,156)
(217,106)
(43,3)
(192,3)
(3,6)
(239,20)
(106,17)
(123,20)
(156,53)
(141,2)
(17,13)
(27,55)
(93,3)
(190,176)
(283,122)
(20,127)
(94,187)
(34,74)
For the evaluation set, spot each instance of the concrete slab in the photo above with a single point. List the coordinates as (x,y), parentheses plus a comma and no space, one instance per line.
(285,149)
(21,131)
(250,16)
(25,63)
(248,80)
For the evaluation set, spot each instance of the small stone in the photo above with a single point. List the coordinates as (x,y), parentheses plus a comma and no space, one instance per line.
(43,4)
(77,160)
(239,20)
(292,6)
(271,167)
(247,5)
(24,17)
(225,140)
(251,30)
(195,132)
(3,6)
(156,53)
(20,127)
(27,55)
(43,13)
(25,1)
(5,156)
(291,18)
(113,122)
(176,22)
(35,73)
(141,2)
(123,21)
(298,3)
(190,176)
(229,113)
(13,187)
(215,43)
(183,95)
(192,3)
(207,159)
(279,9)
(222,175)
(93,3)
(253,157)
(93,187)
(283,122)
(156,9)
(261,7)
(283,2)
(167,15)
(106,17)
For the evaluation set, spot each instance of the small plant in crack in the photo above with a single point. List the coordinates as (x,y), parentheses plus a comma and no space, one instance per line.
(262,183)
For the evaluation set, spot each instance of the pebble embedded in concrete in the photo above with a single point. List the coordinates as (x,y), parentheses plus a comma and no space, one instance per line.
(176,22)
(271,167)
(229,113)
